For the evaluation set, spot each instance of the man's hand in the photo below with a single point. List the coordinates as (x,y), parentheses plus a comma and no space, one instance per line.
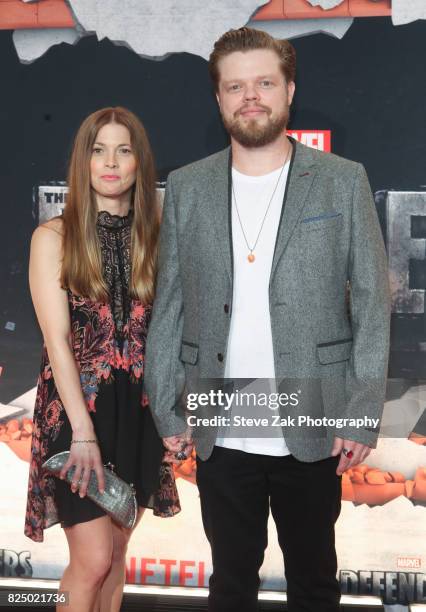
(355,453)
(178,446)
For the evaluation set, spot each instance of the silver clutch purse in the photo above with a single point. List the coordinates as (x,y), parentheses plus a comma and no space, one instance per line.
(119,498)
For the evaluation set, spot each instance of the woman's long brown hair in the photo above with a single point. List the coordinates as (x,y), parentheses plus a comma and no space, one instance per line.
(82,264)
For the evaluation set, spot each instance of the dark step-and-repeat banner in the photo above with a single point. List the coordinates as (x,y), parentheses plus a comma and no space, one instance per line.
(361,93)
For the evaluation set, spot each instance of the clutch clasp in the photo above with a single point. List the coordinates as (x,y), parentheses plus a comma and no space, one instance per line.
(110,466)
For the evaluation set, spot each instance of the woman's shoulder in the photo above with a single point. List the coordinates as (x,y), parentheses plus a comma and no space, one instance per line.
(56,224)
(49,235)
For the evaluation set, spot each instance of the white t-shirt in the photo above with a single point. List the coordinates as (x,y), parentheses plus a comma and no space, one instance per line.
(250,351)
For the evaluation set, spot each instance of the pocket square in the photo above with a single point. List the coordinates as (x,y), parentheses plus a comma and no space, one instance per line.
(320,217)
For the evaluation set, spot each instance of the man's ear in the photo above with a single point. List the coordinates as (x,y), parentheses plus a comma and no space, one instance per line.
(291,88)
(217,99)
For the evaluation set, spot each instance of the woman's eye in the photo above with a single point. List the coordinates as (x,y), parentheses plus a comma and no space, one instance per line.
(125,150)
(97,150)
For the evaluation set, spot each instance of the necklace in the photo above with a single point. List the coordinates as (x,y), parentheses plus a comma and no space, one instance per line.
(251,256)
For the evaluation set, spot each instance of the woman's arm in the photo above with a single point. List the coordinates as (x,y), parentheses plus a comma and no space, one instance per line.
(51,306)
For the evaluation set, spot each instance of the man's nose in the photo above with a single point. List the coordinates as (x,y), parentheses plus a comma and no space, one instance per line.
(251,93)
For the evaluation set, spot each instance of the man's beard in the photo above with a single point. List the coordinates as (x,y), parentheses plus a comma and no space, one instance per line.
(253,134)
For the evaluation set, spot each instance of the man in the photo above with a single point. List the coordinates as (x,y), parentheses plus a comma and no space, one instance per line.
(258,246)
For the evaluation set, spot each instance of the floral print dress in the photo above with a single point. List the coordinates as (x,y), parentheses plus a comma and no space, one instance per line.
(108,341)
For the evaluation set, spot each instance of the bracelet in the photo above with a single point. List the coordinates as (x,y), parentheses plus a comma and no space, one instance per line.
(84,441)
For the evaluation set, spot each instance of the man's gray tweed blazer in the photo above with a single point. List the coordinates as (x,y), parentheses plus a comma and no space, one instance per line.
(328,240)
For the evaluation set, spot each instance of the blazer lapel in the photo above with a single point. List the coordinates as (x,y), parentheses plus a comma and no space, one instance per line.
(301,175)
(220,197)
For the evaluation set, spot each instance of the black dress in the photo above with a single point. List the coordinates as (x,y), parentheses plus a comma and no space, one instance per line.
(108,342)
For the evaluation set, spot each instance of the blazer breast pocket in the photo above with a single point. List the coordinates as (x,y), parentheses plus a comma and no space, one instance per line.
(322,223)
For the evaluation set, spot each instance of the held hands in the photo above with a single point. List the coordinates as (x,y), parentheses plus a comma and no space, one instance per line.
(351,453)
(86,456)
(179,447)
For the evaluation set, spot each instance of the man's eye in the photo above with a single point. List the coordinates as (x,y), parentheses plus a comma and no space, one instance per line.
(266,83)
(234,87)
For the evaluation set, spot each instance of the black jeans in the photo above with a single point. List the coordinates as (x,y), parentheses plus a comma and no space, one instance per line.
(236,491)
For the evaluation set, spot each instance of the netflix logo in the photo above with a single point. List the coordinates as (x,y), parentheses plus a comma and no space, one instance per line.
(170,572)
(317,139)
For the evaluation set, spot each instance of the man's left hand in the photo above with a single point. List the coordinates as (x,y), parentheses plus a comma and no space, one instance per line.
(351,453)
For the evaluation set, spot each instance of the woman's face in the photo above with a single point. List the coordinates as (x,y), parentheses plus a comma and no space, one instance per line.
(113,163)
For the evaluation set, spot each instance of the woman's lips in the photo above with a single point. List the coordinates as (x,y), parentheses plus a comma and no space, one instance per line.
(110,177)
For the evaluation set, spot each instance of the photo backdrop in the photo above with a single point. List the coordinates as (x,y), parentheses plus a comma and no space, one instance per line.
(368,92)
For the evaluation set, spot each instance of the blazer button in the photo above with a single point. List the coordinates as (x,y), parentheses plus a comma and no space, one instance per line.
(226,308)
(220,357)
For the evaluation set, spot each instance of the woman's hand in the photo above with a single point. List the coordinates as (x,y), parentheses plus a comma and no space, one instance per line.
(179,447)
(86,457)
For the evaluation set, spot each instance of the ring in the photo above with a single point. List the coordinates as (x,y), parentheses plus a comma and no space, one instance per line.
(180,456)
(348,453)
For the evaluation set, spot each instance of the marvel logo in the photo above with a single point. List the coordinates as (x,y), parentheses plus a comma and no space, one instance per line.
(317,139)
(409,562)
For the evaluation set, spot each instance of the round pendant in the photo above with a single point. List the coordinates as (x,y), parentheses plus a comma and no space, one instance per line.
(251,257)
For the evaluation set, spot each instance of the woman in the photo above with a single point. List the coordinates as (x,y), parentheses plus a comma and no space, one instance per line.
(92,283)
